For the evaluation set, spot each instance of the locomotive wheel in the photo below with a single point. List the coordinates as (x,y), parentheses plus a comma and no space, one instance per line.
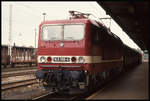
(30,64)
(118,70)
(5,65)
(91,83)
(12,65)
(42,84)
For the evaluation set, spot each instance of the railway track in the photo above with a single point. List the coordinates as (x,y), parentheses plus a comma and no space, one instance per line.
(50,95)
(17,73)
(85,95)
(43,96)
(56,96)
(18,68)
(21,83)
(61,96)
(15,79)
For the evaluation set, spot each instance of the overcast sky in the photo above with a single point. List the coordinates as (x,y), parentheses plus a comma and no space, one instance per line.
(26,17)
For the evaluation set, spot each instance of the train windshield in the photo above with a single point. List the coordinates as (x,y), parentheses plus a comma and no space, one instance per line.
(63,32)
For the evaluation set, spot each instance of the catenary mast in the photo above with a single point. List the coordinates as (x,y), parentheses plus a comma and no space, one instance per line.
(10,31)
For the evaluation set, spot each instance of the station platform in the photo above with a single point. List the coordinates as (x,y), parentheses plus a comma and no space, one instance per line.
(131,85)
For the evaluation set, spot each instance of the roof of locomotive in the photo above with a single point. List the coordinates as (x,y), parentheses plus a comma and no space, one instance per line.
(65,21)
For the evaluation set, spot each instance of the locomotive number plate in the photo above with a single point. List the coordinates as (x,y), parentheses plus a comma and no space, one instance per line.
(61,59)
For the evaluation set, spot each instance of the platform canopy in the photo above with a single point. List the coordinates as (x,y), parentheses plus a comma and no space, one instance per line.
(133,18)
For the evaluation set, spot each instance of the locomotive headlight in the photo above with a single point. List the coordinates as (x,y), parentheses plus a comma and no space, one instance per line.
(81,60)
(43,59)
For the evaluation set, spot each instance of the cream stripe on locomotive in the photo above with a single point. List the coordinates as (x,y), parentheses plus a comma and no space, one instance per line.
(79,59)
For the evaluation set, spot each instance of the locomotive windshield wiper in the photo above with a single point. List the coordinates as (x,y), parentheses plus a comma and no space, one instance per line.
(69,38)
(53,38)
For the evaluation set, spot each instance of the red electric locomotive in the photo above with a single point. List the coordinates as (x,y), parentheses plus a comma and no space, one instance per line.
(76,53)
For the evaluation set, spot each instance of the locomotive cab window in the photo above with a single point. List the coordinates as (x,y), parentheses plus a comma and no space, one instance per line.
(52,32)
(63,32)
(73,32)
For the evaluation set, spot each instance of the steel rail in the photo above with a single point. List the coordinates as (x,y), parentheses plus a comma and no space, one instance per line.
(18,68)
(43,96)
(17,74)
(17,84)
